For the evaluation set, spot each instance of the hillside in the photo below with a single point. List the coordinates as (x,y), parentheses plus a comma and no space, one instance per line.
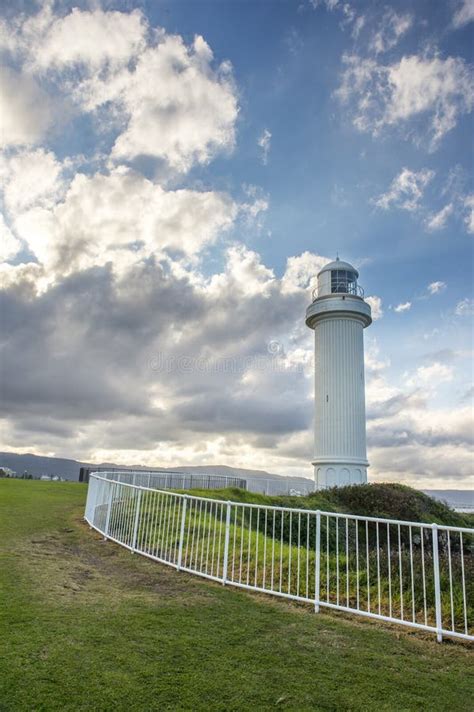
(391,501)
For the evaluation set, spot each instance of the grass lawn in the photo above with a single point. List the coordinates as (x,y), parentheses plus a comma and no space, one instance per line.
(85,625)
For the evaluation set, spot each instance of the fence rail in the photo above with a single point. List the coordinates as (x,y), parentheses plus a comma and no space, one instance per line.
(411,573)
(173,480)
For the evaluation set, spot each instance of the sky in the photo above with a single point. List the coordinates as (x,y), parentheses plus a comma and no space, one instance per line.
(174,175)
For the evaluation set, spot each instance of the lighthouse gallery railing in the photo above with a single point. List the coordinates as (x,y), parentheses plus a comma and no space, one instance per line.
(415,574)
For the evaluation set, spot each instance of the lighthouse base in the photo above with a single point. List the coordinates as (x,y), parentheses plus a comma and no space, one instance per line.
(339,474)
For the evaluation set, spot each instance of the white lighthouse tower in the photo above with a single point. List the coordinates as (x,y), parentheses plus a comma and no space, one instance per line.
(338,316)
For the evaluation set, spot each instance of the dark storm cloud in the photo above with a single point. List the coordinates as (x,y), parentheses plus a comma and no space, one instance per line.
(82,352)
(230,413)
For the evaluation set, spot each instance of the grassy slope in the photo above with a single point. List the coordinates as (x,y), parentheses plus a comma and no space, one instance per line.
(87,626)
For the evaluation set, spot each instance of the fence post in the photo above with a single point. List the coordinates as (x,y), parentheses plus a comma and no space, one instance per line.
(437,586)
(317,562)
(181,532)
(135,526)
(90,504)
(226,544)
(109,507)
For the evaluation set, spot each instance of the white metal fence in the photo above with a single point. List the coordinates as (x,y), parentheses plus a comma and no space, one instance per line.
(411,573)
(174,480)
(283,485)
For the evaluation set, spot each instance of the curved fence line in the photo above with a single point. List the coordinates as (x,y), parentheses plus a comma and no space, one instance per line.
(172,480)
(410,573)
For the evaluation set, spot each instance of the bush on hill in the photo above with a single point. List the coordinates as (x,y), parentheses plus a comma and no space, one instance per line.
(391,501)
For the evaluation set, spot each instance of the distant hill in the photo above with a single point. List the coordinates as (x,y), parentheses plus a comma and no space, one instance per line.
(69,469)
(37,465)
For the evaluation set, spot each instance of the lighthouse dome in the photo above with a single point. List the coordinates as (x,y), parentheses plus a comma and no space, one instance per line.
(338,277)
(338,265)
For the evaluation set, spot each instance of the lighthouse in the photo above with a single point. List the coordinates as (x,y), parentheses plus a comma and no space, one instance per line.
(338,315)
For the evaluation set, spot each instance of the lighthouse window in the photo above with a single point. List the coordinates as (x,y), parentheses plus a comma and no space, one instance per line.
(343,281)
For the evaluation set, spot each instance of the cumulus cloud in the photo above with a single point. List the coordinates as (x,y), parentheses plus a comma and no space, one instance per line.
(301,272)
(9,245)
(121,216)
(434,90)
(89,38)
(173,104)
(31,178)
(26,111)
(376,306)
(161,97)
(175,355)
(403,307)
(406,190)
(264,142)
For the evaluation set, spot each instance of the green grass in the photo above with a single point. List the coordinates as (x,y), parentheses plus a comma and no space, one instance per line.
(264,551)
(85,625)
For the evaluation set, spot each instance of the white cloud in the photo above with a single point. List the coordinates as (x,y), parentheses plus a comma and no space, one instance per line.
(175,106)
(465,307)
(436,287)
(437,221)
(264,141)
(244,274)
(433,446)
(254,209)
(406,190)
(468,204)
(375,365)
(430,376)
(347,12)
(405,306)
(434,90)
(393,27)
(464,13)
(31,178)
(359,24)
(93,39)
(9,245)
(163,98)
(120,218)
(376,306)
(25,110)
(301,272)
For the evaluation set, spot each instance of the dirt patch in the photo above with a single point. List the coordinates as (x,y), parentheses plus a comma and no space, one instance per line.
(76,563)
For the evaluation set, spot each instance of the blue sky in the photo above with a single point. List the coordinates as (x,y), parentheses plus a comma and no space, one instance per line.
(175,174)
